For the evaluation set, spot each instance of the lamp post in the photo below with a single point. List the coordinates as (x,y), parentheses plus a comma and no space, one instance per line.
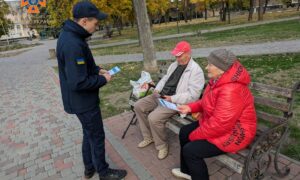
(177,10)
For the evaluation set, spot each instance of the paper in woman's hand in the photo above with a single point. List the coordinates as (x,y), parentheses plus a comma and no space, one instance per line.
(114,70)
(167,104)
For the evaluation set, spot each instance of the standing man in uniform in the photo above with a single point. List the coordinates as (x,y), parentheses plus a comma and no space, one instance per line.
(80,80)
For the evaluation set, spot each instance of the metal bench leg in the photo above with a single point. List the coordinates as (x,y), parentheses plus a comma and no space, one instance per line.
(132,122)
(286,170)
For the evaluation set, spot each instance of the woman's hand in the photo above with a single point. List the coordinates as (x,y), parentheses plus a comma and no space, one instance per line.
(184,109)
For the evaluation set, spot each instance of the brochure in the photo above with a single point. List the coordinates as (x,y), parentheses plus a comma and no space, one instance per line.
(167,104)
(114,70)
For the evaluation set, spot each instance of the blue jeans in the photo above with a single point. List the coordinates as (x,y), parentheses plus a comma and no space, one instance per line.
(93,145)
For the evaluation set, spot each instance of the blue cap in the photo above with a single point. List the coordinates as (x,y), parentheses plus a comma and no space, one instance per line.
(87,9)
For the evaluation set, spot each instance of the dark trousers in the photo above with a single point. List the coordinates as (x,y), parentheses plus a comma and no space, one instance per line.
(93,149)
(192,153)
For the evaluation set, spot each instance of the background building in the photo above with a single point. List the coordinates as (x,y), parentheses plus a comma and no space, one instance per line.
(20,19)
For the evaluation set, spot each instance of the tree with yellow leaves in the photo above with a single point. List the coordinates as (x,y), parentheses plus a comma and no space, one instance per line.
(157,8)
(4,22)
(59,11)
(119,12)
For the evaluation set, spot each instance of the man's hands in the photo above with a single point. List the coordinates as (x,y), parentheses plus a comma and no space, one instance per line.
(107,76)
(105,73)
(167,98)
(102,71)
(146,85)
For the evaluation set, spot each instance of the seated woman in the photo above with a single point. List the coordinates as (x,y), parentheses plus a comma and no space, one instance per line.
(226,121)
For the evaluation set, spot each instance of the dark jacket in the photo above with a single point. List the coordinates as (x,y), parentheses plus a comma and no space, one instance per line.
(78,73)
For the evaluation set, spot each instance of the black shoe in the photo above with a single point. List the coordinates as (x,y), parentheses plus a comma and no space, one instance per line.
(114,174)
(89,173)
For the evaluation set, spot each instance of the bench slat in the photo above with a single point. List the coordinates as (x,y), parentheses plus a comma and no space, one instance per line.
(180,120)
(231,162)
(282,106)
(173,127)
(272,89)
(270,118)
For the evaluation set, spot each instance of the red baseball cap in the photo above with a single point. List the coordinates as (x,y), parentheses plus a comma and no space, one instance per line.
(180,48)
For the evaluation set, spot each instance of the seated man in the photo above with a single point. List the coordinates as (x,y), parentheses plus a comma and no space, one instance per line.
(182,84)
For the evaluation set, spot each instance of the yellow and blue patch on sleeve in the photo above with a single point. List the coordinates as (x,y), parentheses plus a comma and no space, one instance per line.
(80,61)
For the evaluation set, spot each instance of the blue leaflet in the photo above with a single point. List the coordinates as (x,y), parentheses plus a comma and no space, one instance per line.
(114,70)
(167,104)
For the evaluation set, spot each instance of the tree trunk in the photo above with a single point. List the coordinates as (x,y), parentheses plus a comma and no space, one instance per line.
(265,7)
(137,23)
(228,10)
(251,10)
(150,20)
(240,4)
(145,36)
(166,16)
(185,11)
(205,11)
(220,13)
(108,30)
(260,10)
(191,15)
(223,11)
(117,24)
(213,10)
(298,5)
(120,25)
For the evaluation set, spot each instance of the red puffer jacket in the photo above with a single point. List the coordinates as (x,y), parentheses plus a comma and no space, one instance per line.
(228,116)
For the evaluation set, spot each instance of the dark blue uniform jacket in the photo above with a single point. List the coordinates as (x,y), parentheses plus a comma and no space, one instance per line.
(78,73)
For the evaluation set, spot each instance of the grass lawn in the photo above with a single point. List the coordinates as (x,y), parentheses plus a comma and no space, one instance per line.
(262,33)
(281,70)
(194,25)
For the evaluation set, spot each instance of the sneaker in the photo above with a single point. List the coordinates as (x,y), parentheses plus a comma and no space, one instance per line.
(88,174)
(114,174)
(145,142)
(163,153)
(176,172)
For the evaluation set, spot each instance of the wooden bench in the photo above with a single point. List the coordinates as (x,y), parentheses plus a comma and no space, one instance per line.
(274,109)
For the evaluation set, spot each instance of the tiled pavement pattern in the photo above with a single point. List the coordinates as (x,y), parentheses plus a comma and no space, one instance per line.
(39,141)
